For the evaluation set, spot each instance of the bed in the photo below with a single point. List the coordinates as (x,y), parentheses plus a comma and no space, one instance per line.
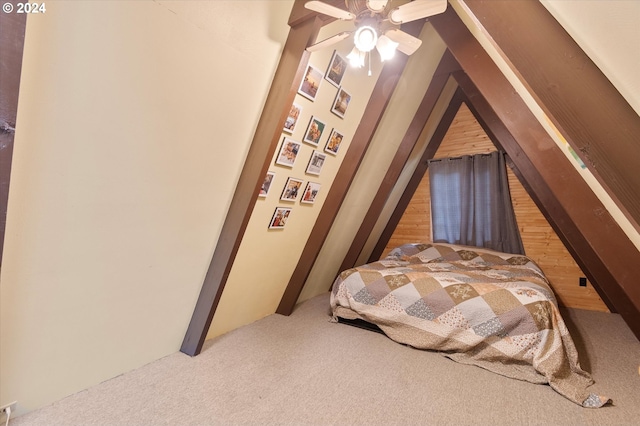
(476,306)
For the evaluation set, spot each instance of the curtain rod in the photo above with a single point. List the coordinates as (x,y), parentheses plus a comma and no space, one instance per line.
(484,154)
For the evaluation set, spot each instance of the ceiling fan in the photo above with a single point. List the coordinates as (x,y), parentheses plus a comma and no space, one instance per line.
(377,26)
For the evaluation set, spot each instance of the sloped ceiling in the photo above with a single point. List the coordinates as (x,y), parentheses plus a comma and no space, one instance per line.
(597,122)
(557,72)
(578,99)
(606,30)
(573,94)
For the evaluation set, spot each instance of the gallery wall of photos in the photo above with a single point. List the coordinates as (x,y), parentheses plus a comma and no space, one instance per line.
(311,135)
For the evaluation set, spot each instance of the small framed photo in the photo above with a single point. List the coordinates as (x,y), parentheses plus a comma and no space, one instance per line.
(279,218)
(310,83)
(341,103)
(334,141)
(337,67)
(310,193)
(292,118)
(288,152)
(314,131)
(291,189)
(266,185)
(316,162)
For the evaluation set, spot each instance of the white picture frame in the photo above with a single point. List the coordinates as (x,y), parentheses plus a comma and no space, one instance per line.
(310,193)
(336,70)
(288,153)
(316,161)
(279,218)
(341,103)
(292,118)
(314,131)
(291,189)
(333,142)
(266,184)
(310,83)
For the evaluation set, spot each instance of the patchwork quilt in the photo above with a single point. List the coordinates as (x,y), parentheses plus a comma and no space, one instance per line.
(476,306)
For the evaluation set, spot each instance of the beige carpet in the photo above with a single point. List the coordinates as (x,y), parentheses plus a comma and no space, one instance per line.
(305,370)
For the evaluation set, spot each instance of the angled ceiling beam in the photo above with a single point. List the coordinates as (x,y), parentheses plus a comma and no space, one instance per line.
(588,229)
(583,104)
(288,76)
(378,102)
(535,186)
(440,77)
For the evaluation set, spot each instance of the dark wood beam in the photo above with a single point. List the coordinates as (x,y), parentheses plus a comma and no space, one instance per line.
(378,101)
(598,242)
(418,174)
(11,47)
(438,81)
(531,180)
(288,76)
(589,112)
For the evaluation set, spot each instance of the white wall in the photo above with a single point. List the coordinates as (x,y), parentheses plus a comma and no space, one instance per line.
(267,258)
(133,123)
(395,121)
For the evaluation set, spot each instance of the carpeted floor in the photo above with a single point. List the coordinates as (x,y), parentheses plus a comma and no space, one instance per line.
(305,370)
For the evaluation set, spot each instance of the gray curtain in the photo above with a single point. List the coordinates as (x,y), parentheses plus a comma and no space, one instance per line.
(471,203)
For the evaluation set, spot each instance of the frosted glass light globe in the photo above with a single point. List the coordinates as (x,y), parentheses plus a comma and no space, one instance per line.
(365,38)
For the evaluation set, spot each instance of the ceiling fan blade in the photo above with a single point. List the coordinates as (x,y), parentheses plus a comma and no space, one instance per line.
(407,43)
(327,9)
(376,5)
(416,9)
(328,41)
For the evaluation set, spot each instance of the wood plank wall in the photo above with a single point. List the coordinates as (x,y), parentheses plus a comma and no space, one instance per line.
(466,136)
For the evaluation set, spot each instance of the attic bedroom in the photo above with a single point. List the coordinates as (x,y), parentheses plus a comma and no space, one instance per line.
(191,198)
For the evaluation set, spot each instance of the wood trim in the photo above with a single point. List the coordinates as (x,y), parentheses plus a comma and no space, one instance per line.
(288,76)
(378,102)
(418,174)
(11,49)
(440,77)
(599,244)
(583,104)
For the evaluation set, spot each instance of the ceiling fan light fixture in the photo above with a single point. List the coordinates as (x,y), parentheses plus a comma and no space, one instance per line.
(416,9)
(372,19)
(386,48)
(407,43)
(365,38)
(356,58)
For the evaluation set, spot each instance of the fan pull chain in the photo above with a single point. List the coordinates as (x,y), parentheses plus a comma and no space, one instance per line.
(369,55)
